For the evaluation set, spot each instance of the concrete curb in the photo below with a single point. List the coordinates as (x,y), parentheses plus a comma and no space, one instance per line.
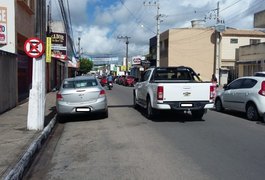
(17,172)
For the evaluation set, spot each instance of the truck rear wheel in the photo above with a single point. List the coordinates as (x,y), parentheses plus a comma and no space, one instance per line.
(150,112)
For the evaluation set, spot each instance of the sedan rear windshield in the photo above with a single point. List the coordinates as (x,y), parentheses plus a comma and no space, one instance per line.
(80,83)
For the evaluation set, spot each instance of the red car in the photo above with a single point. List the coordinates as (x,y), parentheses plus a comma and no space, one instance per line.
(129,81)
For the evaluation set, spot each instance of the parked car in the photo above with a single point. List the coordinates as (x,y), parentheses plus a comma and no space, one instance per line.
(260,74)
(120,80)
(245,94)
(129,81)
(80,95)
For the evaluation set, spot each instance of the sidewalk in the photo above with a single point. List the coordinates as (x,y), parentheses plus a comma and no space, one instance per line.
(15,139)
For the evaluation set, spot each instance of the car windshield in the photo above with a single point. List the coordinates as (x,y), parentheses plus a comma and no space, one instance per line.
(175,74)
(79,83)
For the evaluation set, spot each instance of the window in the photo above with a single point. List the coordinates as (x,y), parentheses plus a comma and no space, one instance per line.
(146,75)
(236,84)
(233,41)
(249,83)
(28,5)
(254,41)
(80,84)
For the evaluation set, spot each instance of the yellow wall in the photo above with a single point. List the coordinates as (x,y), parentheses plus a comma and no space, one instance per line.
(191,47)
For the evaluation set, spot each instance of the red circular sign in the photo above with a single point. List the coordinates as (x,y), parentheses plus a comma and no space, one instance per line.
(34,47)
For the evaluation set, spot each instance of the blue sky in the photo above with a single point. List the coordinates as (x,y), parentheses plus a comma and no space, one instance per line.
(99,22)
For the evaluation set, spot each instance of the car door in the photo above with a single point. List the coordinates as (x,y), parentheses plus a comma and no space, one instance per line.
(230,99)
(242,95)
(142,86)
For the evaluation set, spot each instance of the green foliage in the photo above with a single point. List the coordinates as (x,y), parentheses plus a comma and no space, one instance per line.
(86,65)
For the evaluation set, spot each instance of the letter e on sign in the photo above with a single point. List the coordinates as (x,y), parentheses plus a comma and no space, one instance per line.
(34,47)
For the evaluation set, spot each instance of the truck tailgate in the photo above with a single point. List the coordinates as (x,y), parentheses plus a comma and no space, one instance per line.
(186,91)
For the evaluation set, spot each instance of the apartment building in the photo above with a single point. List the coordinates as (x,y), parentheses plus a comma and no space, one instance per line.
(252,57)
(231,42)
(196,47)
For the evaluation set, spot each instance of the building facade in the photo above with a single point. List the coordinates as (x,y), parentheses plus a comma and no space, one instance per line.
(193,47)
(18,23)
(252,57)
(196,48)
(231,42)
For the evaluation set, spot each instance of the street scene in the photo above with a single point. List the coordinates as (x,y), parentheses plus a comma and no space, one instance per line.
(132,89)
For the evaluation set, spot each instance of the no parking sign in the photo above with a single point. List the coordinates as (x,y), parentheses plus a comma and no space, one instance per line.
(34,47)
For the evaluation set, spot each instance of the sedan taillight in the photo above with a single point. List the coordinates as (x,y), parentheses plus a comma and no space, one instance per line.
(102,93)
(59,97)
(262,89)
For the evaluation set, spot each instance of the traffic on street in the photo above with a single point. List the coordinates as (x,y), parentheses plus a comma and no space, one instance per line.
(127,145)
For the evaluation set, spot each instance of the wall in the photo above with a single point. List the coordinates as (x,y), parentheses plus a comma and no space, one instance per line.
(193,48)
(8,81)
(259,19)
(251,59)
(228,51)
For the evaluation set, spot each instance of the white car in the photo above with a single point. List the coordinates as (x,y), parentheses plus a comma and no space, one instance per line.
(245,94)
(260,74)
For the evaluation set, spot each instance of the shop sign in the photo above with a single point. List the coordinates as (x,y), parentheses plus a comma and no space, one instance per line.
(3,25)
(58,48)
(136,61)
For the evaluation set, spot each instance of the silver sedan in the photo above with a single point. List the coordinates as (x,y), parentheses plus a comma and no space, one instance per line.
(81,95)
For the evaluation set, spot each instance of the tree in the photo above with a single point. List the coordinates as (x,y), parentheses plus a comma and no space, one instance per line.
(86,65)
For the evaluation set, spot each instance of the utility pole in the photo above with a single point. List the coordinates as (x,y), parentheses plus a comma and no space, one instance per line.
(78,44)
(127,44)
(36,109)
(217,35)
(158,20)
(219,27)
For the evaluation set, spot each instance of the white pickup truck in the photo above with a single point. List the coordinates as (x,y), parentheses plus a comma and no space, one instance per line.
(173,88)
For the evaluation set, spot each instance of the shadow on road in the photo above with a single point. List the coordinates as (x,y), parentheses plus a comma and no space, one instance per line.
(120,106)
(49,117)
(239,115)
(80,117)
(171,116)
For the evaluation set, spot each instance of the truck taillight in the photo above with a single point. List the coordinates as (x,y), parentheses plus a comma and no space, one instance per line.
(59,97)
(160,93)
(262,89)
(212,91)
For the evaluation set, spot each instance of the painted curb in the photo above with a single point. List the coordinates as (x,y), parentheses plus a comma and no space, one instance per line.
(18,170)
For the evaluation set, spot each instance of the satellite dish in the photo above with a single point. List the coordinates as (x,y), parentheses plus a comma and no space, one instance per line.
(220,27)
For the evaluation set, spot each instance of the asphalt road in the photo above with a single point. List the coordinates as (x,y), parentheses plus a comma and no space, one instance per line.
(174,146)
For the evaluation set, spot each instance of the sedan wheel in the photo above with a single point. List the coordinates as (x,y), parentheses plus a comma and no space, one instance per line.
(252,113)
(218,105)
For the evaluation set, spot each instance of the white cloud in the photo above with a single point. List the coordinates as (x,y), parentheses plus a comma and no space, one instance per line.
(101,27)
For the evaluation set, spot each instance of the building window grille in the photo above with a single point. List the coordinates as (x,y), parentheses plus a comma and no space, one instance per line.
(254,41)
(233,41)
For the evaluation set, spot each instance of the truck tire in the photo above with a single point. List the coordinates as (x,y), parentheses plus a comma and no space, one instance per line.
(150,112)
(135,105)
(197,114)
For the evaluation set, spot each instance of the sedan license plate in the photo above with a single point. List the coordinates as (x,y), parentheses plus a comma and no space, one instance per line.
(83,109)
